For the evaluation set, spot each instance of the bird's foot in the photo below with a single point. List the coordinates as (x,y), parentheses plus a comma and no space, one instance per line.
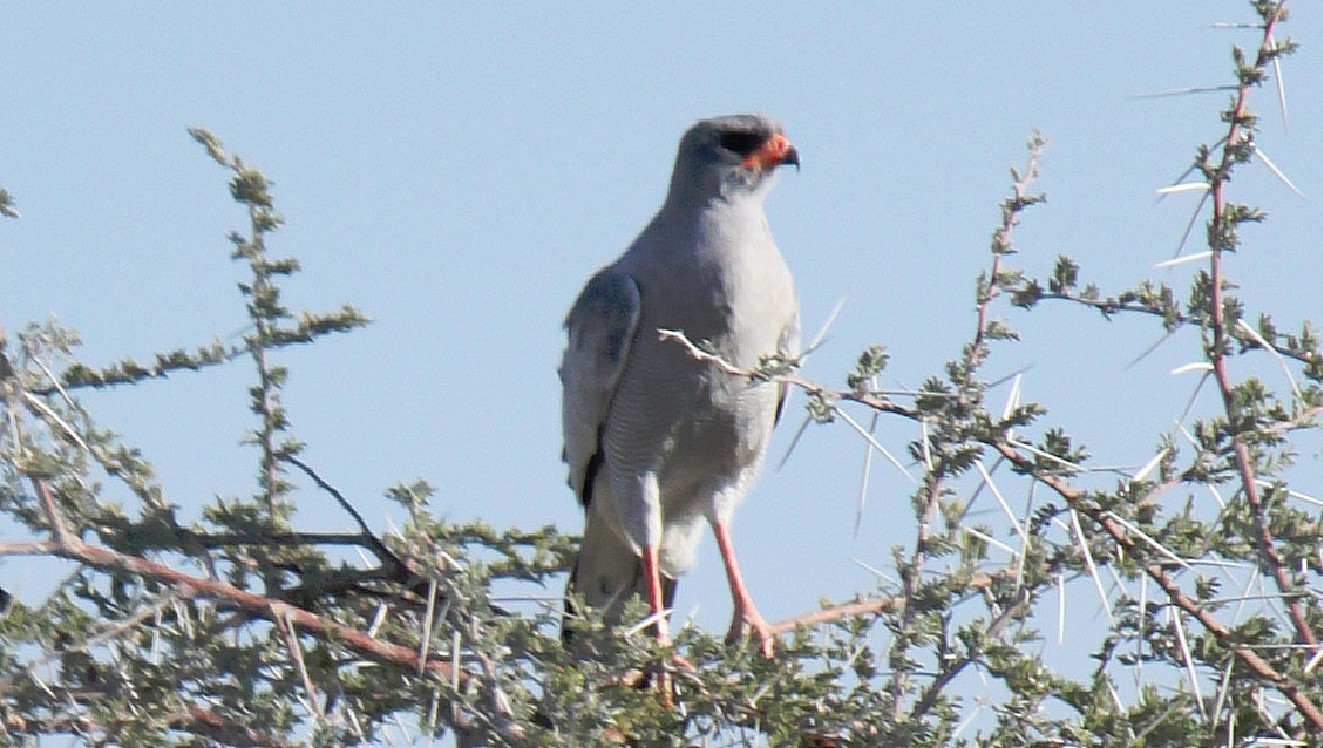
(662,678)
(663,682)
(666,678)
(762,632)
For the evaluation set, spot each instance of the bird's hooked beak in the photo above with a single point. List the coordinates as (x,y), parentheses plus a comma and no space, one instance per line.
(774,152)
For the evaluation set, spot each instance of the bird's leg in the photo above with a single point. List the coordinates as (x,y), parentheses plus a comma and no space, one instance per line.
(745,612)
(652,572)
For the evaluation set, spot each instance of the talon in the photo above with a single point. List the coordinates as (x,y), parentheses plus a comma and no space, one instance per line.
(665,680)
(745,612)
(664,683)
(760,630)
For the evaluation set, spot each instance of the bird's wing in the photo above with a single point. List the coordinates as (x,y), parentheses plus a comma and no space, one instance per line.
(788,346)
(600,327)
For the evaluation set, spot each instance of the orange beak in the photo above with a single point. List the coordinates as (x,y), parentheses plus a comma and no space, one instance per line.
(776,151)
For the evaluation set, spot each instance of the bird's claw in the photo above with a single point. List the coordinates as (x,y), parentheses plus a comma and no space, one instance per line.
(758,627)
(662,678)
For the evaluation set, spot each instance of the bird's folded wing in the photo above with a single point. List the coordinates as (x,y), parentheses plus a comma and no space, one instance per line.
(787,346)
(601,327)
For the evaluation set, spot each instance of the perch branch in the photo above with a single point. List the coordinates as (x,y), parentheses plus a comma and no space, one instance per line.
(1243,461)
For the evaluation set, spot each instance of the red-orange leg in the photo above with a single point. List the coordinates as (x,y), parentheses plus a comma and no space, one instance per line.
(745,612)
(652,572)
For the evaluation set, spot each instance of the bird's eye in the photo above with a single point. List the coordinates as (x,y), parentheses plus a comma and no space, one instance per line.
(742,143)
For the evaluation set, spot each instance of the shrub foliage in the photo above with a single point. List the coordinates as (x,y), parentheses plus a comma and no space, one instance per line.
(241,629)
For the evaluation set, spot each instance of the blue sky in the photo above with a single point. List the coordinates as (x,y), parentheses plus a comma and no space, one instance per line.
(458,171)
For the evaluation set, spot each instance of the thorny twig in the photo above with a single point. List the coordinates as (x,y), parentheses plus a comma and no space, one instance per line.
(1218,350)
(1077,500)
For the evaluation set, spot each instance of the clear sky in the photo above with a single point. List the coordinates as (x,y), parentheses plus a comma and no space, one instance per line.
(457,171)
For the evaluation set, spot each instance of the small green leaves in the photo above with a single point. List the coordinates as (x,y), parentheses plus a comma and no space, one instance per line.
(820,408)
(996,329)
(250,187)
(411,496)
(1058,453)
(7,208)
(271,328)
(1028,295)
(1185,558)
(128,371)
(211,143)
(871,363)
(1065,275)
(1222,235)
(774,365)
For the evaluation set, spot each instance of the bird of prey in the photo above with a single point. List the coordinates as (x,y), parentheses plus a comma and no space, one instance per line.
(660,441)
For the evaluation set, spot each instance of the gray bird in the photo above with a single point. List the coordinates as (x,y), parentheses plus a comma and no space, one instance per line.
(657,441)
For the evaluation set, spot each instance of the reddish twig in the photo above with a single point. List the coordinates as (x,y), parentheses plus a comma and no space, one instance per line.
(202,721)
(71,547)
(855,609)
(949,670)
(1119,534)
(1135,548)
(1244,465)
(911,576)
(867,607)
(193,719)
(64,544)
(59,530)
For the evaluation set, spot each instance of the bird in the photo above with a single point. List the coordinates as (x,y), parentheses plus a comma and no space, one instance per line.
(659,441)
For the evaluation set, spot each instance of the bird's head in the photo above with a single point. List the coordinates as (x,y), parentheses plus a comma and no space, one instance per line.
(730,156)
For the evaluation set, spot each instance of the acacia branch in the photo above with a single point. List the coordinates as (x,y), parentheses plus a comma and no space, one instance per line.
(1244,463)
(910,582)
(297,538)
(1076,499)
(831,614)
(366,536)
(1172,319)
(868,607)
(949,672)
(69,546)
(1116,530)
(74,549)
(1135,549)
(59,530)
(974,354)
(192,719)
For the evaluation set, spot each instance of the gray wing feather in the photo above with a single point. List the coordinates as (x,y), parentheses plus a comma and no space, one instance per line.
(600,328)
(788,345)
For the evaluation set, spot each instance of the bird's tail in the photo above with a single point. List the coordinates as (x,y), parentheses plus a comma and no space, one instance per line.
(607,573)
